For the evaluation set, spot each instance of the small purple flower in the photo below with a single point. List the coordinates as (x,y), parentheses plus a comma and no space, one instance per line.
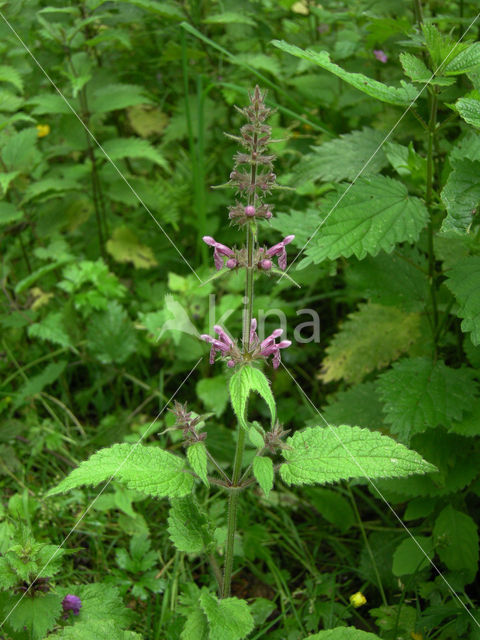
(279,250)
(223,345)
(269,347)
(71,603)
(380,55)
(250,211)
(219,251)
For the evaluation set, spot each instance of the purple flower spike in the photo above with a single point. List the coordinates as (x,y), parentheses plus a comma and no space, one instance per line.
(279,250)
(223,345)
(270,348)
(380,55)
(219,251)
(71,603)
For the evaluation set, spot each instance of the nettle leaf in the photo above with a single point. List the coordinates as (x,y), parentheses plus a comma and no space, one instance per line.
(189,528)
(197,457)
(11,75)
(469,425)
(409,558)
(469,109)
(149,470)
(343,633)
(119,148)
(20,152)
(39,614)
(117,96)
(319,455)
(124,246)
(110,335)
(464,282)
(403,95)
(213,393)
(196,626)
(343,158)
(374,215)
(242,383)
(52,104)
(359,405)
(228,619)
(419,393)
(263,472)
(466,60)
(51,328)
(461,195)
(456,540)
(370,339)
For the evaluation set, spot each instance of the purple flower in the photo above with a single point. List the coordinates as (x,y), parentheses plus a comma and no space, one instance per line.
(223,345)
(380,55)
(71,603)
(219,251)
(279,250)
(269,347)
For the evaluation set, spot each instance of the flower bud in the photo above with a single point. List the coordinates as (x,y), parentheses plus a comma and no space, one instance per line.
(268,214)
(266,264)
(231,263)
(250,211)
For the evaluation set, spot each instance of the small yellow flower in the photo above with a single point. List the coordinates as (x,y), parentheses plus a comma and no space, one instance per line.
(43,130)
(357,599)
(416,636)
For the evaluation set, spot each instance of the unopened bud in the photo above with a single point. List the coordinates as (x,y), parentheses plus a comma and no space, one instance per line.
(266,264)
(230,363)
(250,211)
(268,214)
(231,263)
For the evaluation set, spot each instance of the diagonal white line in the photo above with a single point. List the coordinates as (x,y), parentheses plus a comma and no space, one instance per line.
(92,136)
(75,526)
(380,145)
(365,475)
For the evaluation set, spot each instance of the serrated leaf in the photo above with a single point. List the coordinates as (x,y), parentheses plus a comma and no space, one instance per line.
(228,619)
(119,148)
(11,75)
(374,215)
(110,335)
(10,102)
(343,633)
(469,109)
(417,71)
(197,457)
(51,104)
(149,470)
(124,246)
(242,383)
(370,339)
(464,282)
(213,392)
(456,540)
(466,60)
(403,95)
(147,120)
(39,614)
(112,97)
(409,558)
(20,153)
(9,213)
(196,626)
(263,472)
(461,195)
(319,455)
(469,425)
(332,506)
(342,158)
(358,405)
(51,328)
(255,436)
(419,393)
(188,527)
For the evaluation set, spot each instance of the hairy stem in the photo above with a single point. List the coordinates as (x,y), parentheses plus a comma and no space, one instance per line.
(432,123)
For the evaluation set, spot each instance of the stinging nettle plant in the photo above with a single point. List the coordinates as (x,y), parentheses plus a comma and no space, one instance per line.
(316,455)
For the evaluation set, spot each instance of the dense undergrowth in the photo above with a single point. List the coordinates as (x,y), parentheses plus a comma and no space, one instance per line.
(106,197)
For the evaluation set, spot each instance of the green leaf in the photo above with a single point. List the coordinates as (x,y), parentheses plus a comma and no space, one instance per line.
(9,102)
(409,558)
(39,614)
(196,626)
(229,17)
(11,75)
(51,328)
(37,383)
(242,383)
(461,195)
(343,633)
(119,148)
(319,455)
(110,335)
(469,109)
(392,95)
(255,435)
(9,213)
(332,506)
(149,470)
(20,152)
(469,425)
(263,472)
(464,282)
(228,619)
(374,215)
(197,457)
(417,71)
(213,393)
(456,540)
(419,393)
(465,61)
(370,339)
(124,246)
(188,527)
(112,97)
(358,405)
(342,158)
(51,104)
